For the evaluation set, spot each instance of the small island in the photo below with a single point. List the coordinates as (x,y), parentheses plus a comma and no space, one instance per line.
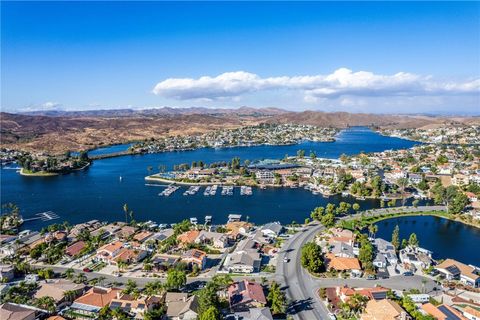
(40,165)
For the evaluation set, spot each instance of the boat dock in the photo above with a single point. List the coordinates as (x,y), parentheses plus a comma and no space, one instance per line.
(44,216)
(245,191)
(168,191)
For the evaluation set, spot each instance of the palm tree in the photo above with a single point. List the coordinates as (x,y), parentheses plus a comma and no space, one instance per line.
(69,295)
(370,230)
(69,273)
(125,210)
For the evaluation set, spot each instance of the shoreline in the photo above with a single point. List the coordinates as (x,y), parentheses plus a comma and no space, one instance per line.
(51,174)
(439,214)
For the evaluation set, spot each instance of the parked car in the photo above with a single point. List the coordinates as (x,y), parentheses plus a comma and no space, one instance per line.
(408,273)
(87,270)
(371,277)
(286,259)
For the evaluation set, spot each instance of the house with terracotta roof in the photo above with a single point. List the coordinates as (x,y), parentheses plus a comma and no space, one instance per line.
(442,312)
(142,236)
(92,301)
(455,270)
(471,313)
(75,248)
(109,251)
(238,228)
(376,293)
(215,239)
(188,237)
(244,295)
(343,264)
(136,307)
(126,231)
(129,255)
(195,256)
(384,310)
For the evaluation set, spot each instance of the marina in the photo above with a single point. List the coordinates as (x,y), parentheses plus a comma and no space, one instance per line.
(168,191)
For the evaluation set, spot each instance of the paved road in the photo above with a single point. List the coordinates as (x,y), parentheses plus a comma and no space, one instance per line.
(301,288)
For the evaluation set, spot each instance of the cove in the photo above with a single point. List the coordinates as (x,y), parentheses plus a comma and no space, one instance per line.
(98,193)
(446,238)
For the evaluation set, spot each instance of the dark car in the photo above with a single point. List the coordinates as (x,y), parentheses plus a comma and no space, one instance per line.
(87,270)
(408,274)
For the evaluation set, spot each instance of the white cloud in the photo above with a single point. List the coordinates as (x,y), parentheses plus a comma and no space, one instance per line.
(50,105)
(342,82)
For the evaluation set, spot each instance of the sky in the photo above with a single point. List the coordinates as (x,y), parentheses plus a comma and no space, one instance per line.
(379,57)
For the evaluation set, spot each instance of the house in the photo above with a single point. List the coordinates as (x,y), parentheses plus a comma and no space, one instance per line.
(195,257)
(162,235)
(134,306)
(142,236)
(244,294)
(415,178)
(162,262)
(238,228)
(109,251)
(216,239)
(188,237)
(419,298)
(343,264)
(126,232)
(387,250)
(416,258)
(11,311)
(272,229)
(243,262)
(6,273)
(57,288)
(454,270)
(128,255)
(75,248)
(460,180)
(341,249)
(442,312)
(384,309)
(471,313)
(93,300)
(180,306)
(265,176)
(471,196)
(376,293)
(341,235)
(252,314)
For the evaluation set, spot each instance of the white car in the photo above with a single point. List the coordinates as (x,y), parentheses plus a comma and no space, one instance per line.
(332,316)
(286,259)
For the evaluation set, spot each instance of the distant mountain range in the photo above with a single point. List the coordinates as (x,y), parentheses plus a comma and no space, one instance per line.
(58,131)
(247,111)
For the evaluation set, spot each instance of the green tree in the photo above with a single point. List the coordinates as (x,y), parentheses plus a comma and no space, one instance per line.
(311,257)
(365,254)
(207,298)
(396,237)
(356,207)
(176,279)
(301,153)
(211,313)
(276,299)
(46,303)
(413,240)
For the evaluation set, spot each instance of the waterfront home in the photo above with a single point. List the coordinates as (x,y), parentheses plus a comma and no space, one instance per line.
(188,237)
(265,176)
(387,250)
(6,273)
(195,257)
(455,270)
(109,251)
(136,307)
(415,178)
(376,293)
(442,312)
(75,248)
(143,236)
(252,314)
(89,226)
(416,258)
(238,228)
(272,229)
(11,311)
(129,255)
(163,234)
(245,294)
(341,235)
(215,239)
(343,264)
(57,288)
(384,309)
(126,232)
(88,305)
(181,307)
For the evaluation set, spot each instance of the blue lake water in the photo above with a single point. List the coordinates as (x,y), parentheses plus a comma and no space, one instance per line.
(98,193)
(446,238)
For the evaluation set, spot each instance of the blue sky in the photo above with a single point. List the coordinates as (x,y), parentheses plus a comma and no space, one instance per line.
(358,57)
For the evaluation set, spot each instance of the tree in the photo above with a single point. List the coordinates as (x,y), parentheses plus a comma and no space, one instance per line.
(356,207)
(69,295)
(396,237)
(301,153)
(125,210)
(46,303)
(207,298)
(45,273)
(317,213)
(412,240)
(311,257)
(276,299)
(176,279)
(328,220)
(69,273)
(365,254)
(211,313)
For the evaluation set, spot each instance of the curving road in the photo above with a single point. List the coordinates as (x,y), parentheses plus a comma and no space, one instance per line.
(301,288)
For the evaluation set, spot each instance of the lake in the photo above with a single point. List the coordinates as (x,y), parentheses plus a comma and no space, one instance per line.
(98,193)
(446,238)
